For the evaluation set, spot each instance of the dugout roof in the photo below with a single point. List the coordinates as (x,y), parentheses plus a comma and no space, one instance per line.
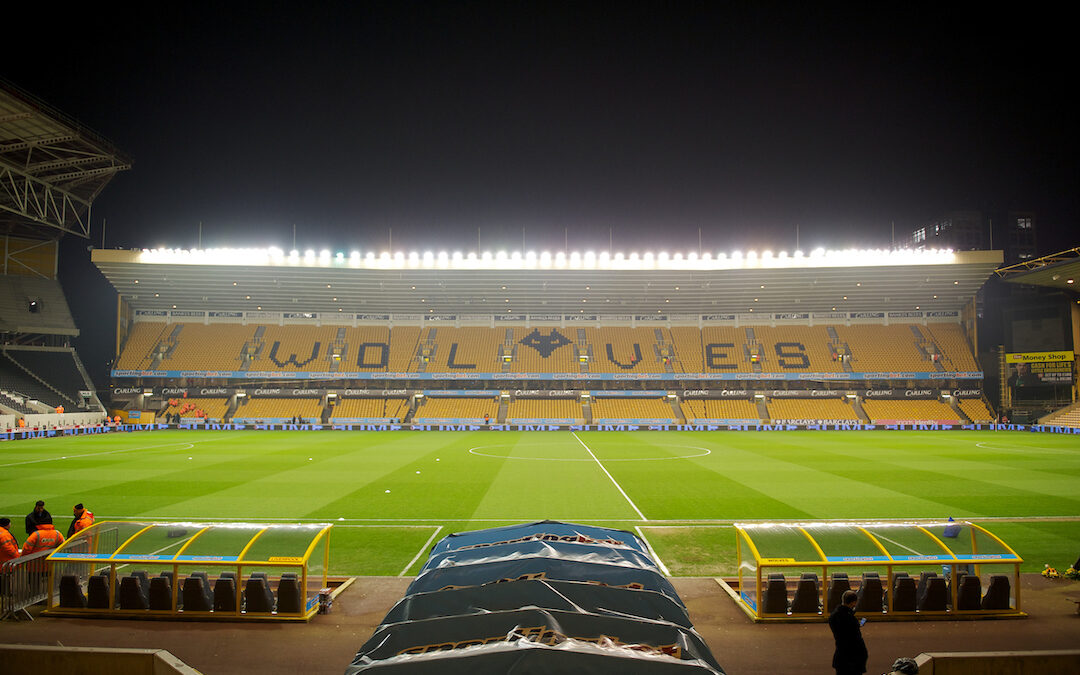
(51,167)
(269,280)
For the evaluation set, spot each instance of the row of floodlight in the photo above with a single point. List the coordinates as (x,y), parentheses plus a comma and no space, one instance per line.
(602,260)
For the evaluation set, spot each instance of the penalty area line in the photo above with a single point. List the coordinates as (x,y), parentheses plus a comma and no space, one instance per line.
(663,567)
(421,551)
(612,478)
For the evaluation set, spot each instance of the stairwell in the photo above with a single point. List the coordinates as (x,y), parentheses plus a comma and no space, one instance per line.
(856,404)
(504,409)
(677,410)
(762,409)
(586,410)
(582,347)
(954,403)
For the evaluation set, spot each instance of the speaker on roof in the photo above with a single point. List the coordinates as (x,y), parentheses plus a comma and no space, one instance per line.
(34,305)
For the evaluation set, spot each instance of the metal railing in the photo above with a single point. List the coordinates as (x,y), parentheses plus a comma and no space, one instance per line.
(24,581)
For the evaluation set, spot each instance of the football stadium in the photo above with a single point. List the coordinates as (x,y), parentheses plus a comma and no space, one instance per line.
(581,461)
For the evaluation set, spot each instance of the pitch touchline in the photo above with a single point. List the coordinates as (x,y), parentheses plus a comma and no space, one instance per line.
(614,482)
(107,452)
(474,451)
(421,551)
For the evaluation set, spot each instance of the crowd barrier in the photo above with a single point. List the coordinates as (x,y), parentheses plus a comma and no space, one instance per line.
(24,582)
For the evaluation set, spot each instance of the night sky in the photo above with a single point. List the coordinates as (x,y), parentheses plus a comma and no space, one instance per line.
(649,121)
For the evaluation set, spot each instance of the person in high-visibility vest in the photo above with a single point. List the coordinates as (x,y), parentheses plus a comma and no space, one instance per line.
(45,538)
(9,546)
(83,518)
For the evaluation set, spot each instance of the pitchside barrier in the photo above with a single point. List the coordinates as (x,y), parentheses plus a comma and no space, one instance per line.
(467,426)
(224,571)
(901,571)
(24,581)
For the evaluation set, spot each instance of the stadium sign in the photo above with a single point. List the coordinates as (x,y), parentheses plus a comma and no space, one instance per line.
(545,393)
(650,317)
(803,393)
(545,317)
(509,317)
(627,393)
(126,391)
(905,315)
(944,314)
(373,317)
(966,393)
(717,317)
(579,317)
(226,315)
(792,316)
(867,315)
(901,393)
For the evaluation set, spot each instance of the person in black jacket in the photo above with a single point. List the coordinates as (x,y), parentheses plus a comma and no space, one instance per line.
(38,516)
(850,655)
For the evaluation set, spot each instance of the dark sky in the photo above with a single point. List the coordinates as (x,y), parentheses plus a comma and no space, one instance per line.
(654,119)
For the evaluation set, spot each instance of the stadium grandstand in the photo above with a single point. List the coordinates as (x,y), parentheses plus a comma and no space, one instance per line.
(52,168)
(594,338)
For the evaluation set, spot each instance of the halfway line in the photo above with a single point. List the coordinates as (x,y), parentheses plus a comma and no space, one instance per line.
(614,482)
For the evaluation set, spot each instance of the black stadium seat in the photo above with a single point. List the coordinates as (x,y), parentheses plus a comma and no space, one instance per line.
(161,593)
(131,594)
(257,596)
(806,595)
(870,593)
(775,599)
(969,594)
(997,593)
(225,594)
(97,592)
(290,599)
(196,595)
(936,597)
(71,592)
(904,593)
(838,583)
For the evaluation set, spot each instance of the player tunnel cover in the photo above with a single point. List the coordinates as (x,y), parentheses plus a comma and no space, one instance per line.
(538,598)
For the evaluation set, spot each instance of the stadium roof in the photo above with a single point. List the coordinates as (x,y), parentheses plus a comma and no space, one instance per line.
(51,167)
(1059,270)
(269,280)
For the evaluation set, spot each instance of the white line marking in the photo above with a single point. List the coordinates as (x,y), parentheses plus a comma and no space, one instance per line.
(113,452)
(893,541)
(614,482)
(663,567)
(421,551)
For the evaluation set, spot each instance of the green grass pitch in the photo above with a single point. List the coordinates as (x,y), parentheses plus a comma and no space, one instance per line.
(391,495)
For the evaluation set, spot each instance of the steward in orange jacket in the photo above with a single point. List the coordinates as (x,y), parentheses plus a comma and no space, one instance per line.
(83,519)
(9,547)
(45,538)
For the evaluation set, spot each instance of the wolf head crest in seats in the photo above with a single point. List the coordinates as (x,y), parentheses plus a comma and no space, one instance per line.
(544,344)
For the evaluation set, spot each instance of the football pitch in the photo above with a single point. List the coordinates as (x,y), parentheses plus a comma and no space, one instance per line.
(391,495)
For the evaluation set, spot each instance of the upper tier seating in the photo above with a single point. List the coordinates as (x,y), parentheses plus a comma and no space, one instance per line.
(401,349)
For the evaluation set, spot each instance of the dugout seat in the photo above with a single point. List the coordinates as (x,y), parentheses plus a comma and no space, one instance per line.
(258,598)
(290,600)
(924,577)
(131,594)
(870,594)
(997,593)
(225,594)
(97,592)
(807,595)
(904,593)
(838,583)
(775,599)
(161,593)
(969,592)
(936,597)
(196,594)
(144,582)
(71,592)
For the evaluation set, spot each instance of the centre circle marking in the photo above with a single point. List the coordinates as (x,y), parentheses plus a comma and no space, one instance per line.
(475,451)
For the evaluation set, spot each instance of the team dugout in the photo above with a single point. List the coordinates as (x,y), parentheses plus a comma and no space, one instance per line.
(231,571)
(901,571)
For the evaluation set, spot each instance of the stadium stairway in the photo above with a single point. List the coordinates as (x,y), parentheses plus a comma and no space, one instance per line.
(677,410)
(856,404)
(762,409)
(954,403)
(504,408)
